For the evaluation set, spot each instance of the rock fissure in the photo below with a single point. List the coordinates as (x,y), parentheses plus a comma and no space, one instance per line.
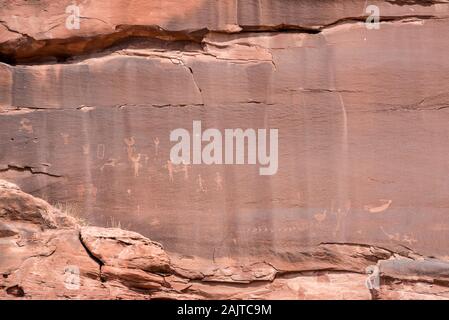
(29,169)
(32,50)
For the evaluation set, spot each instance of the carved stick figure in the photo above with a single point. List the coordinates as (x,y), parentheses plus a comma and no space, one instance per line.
(156,146)
(218,181)
(201,186)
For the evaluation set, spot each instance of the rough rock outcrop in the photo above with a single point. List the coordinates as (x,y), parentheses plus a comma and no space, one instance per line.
(86,115)
(64,260)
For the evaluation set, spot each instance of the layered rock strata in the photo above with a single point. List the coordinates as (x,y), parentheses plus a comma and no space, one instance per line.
(47,254)
(86,116)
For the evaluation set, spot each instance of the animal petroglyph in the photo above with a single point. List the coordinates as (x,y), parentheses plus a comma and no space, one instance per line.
(295,227)
(378,209)
(399,237)
(320,216)
(109,163)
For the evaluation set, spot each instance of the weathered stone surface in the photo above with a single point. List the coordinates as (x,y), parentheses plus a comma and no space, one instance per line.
(39,28)
(99,263)
(73,262)
(126,249)
(430,270)
(17,205)
(85,118)
(132,278)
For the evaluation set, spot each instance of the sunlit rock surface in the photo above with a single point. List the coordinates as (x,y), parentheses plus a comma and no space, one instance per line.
(362,115)
(47,254)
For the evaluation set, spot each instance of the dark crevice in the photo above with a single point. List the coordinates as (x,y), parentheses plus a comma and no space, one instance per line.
(29,169)
(363,19)
(423,3)
(27,50)
(16,291)
(91,255)
(284,28)
(94,258)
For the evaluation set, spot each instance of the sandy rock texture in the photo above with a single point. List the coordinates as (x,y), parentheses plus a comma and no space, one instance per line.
(63,260)
(86,115)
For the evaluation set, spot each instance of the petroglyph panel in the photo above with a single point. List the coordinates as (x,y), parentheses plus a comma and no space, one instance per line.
(366,187)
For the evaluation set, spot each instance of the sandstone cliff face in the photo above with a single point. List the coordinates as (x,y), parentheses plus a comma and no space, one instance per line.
(86,116)
(48,255)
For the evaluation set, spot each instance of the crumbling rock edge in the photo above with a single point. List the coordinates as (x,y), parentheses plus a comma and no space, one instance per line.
(27,50)
(49,255)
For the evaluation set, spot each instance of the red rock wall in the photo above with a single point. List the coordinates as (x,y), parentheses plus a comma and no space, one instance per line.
(47,254)
(363,135)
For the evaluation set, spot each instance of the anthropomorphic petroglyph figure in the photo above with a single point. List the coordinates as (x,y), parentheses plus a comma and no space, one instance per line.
(218,181)
(129,146)
(201,185)
(156,146)
(100,151)
(320,216)
(170,169)
(109,163)
(185,169)
(133,157)
(341,214)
